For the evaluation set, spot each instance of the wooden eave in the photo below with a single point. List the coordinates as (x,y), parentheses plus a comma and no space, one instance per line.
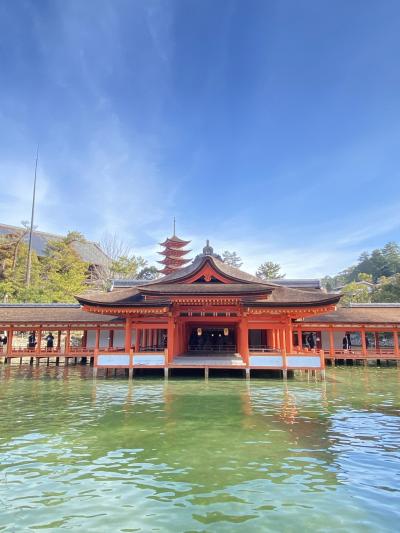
(123,309)
(331,303)
(290,310)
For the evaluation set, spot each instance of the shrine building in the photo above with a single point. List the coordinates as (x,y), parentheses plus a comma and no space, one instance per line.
(203,314)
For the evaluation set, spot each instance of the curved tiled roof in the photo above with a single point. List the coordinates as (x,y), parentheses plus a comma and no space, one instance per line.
(368,315)
(285,296)
(205,289)
(49,313)
(255,291)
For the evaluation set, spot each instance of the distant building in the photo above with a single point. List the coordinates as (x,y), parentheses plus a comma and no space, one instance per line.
(88,251)
(367,284)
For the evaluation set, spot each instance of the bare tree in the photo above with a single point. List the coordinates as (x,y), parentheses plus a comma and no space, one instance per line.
(123,263)
(114,247)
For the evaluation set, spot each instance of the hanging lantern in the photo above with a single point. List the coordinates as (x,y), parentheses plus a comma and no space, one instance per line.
(199,332)
(226,332)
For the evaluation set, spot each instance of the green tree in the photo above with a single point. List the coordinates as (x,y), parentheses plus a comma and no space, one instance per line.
(269,270)
(388,290)
(12,278)
(362,276)
(232,259)
(62,274)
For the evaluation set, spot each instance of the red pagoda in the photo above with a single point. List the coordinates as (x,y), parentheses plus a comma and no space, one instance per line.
(173,253)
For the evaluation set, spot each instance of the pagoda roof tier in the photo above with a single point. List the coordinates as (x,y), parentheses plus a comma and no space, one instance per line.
(174,241)
(171,261)
(175,252)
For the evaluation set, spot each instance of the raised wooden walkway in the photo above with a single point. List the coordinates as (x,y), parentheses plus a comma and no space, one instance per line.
(270,360)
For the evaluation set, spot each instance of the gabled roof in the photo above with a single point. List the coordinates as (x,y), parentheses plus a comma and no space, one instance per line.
(254,291)
(230,272)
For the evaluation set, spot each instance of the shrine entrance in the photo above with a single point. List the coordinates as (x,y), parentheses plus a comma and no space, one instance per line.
(208,339)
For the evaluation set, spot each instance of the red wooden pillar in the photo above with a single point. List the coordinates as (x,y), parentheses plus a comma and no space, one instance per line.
(396,342)
(299,338)
(243,330)
(127,341)
(180,334)
(58,340)
(273,335)
(97,339)
(38,348)
(170,339)
(289,337)
(137,340)
(283,348)
(10,336)
(278,338)
(282,339)
(68,341)
(331,342)
(363,342)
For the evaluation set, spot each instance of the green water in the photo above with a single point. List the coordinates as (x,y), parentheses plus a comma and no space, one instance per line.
(193,456)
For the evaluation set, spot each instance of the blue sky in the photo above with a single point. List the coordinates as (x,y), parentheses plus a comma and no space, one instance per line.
(269,127)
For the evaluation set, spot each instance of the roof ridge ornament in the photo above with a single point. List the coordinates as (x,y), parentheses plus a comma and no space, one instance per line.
(208,250)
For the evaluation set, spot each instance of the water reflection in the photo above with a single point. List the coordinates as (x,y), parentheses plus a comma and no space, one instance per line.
(214,455)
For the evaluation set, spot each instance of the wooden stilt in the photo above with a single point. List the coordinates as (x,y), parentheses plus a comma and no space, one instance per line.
(130,373)
(247,371)
(206,373)
(166,372)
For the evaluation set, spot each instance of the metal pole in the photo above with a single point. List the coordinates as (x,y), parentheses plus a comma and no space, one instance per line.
(29,261)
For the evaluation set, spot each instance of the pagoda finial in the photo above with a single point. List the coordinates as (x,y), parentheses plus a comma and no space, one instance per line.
(174,227)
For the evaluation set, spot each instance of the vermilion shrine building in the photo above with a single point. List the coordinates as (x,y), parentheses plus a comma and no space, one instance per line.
(206,314)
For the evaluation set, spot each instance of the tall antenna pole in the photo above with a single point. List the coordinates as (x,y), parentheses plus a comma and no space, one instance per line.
(29,261)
